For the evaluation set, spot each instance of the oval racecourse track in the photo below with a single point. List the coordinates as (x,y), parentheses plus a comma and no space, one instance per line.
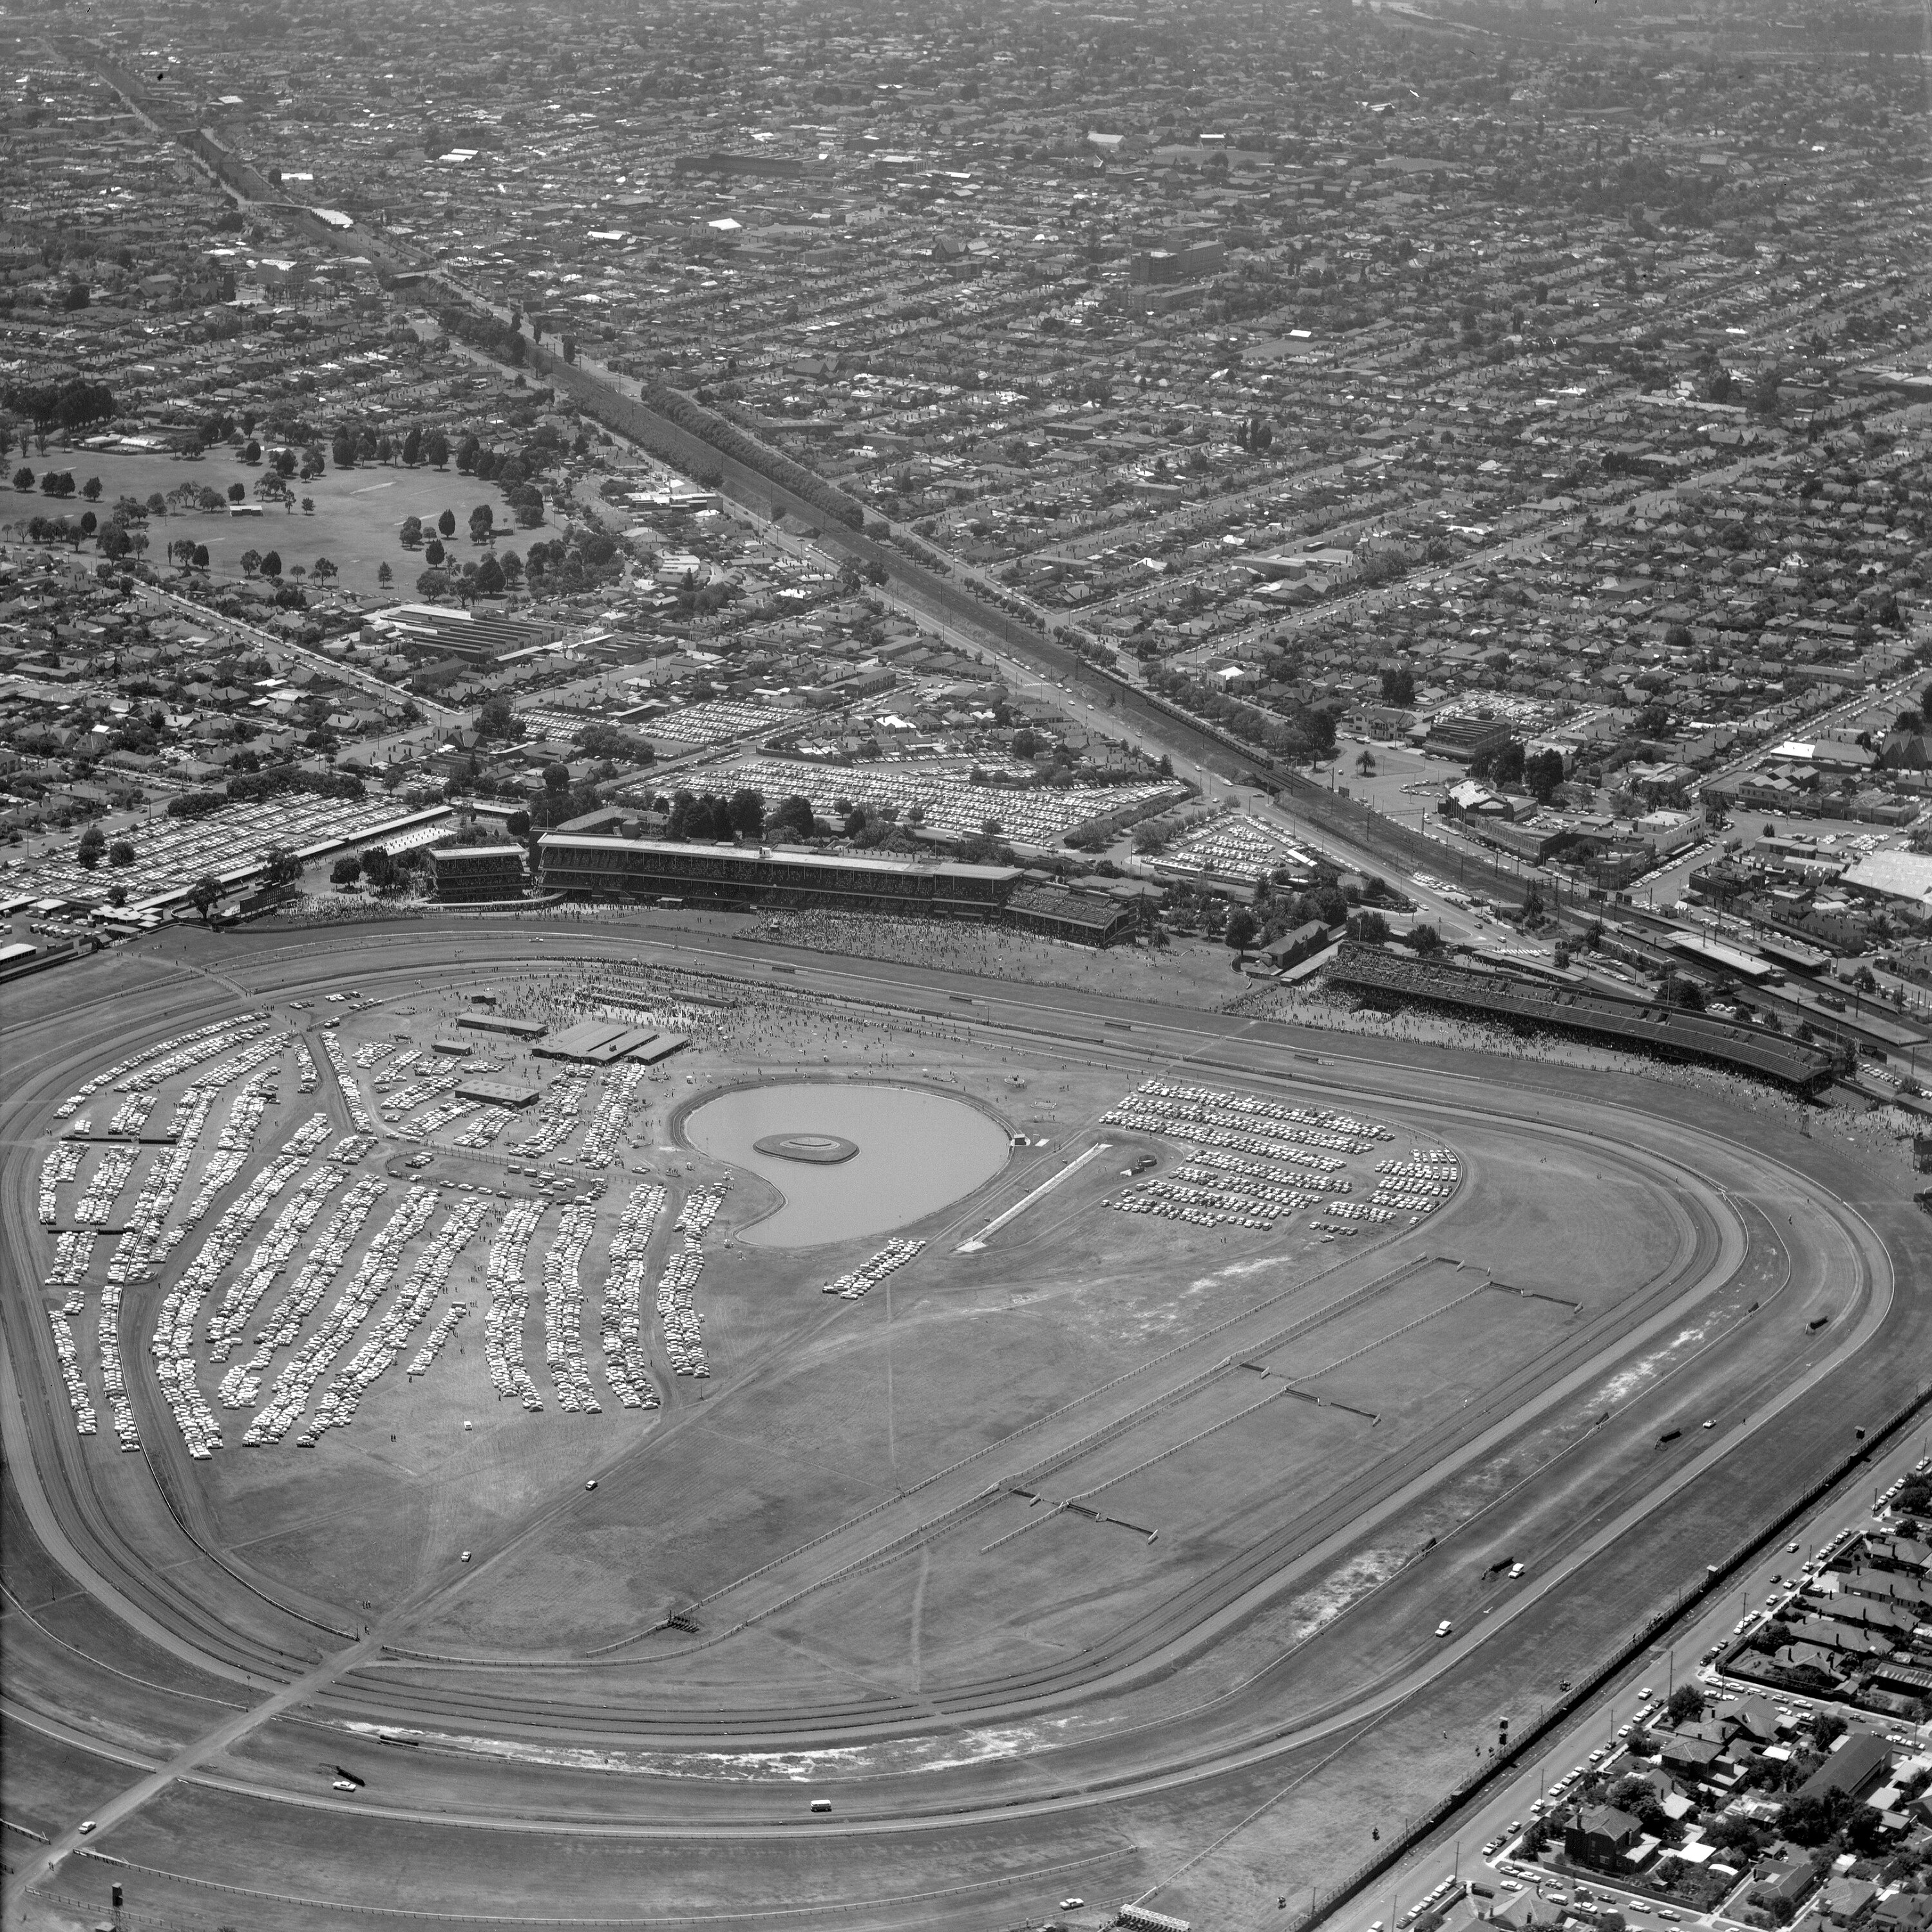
(627,1780)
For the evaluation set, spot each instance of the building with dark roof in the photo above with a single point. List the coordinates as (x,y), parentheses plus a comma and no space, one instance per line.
(1854,1766)
(603,867)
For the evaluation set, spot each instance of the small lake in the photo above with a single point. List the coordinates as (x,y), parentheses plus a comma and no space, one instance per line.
(918,1151)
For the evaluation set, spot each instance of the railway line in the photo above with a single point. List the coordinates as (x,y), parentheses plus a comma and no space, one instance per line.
(266,1643)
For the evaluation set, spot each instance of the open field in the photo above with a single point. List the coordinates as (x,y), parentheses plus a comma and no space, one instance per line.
(1074,1547)
(357,515)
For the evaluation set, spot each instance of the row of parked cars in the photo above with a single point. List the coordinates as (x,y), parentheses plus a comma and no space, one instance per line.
(290,1390)
(626,1366)
(563,1311)
(283,1324)
(336,1407)
(509,1303)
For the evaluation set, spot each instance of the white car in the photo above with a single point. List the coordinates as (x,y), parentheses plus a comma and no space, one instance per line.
(1071,1904)
(1443,1628)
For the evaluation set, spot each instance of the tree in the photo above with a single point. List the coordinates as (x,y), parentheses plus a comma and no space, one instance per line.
(251,562)
(1542,774)
(271,564)
(308,506)
(1686,1705)
(517,825)
(92,841)
(556,779)
(411,532)
(380,870)
(1241,930)
(1365,763)
(90,489)
(324,569)
(481,519)
(282,867)
(432,584)
(412,447)
(121,853)
(237,492)
(445,525)
(436,450)
(385,576)
(345,871)
(23,478)
(434,553)
(205,894)
(793,818)
(1425,939)
(201,556)
(748,813)
(490,578)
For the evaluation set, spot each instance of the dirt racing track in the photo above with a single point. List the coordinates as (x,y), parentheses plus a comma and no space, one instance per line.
(1098,1548)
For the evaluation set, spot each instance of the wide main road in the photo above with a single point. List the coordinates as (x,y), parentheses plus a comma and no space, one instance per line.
(274,1655)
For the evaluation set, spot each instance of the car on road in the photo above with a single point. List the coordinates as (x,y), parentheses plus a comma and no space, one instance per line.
(1071,1904)
(1444,1627)
(86,1825)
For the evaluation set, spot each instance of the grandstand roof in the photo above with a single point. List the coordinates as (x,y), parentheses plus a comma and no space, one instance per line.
(787,855)
(1625,1022)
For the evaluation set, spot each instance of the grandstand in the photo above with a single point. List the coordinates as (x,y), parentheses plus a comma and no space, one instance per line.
(1676,1033)
(1085,919)
(600,867)
(466,874)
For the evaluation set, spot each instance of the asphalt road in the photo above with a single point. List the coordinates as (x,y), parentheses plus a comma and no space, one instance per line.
(1459,1854)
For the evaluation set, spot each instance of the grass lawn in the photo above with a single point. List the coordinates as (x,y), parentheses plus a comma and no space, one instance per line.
(357,515)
